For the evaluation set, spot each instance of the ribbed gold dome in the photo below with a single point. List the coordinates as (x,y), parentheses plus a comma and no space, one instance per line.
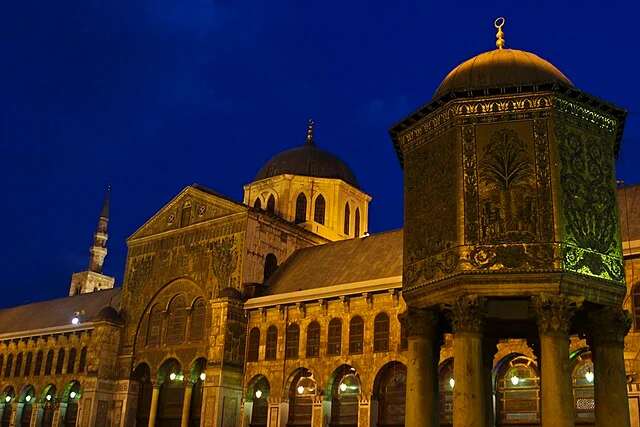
(501,68)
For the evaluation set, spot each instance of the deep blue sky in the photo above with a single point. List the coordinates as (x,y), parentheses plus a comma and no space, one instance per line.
(152,96)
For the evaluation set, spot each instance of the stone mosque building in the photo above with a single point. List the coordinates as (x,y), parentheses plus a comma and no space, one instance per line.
(518,259)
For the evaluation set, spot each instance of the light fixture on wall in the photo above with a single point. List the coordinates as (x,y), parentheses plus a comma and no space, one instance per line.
(350,383)
(72,394)
(452,382)
(7,399)
(48,397)
(589,376)
(515,380)
(203,376)
(28,398)
(172,376)
(258,394)
(306,385)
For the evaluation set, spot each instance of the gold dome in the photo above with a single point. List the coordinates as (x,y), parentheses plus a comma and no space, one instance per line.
(501,68)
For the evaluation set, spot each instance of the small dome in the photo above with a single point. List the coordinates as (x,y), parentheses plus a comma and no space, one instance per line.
(232,293)
(107,313)
(501,68)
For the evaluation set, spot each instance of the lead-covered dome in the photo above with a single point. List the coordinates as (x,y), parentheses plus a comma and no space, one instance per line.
(501,68)
(308,160)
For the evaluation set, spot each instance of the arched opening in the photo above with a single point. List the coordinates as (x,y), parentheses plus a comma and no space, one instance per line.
(38,367)
(60,361)
(83,359)
(313,339)
(582,377)
(7,404)
(27,398)
(48,365)
(48,403)
(292,344)
(446,383)
(142,374)
(517,391)
(176,320)
(271,344)
(9,366)
(71,398)
(271,204)
(258,394)
(253,348)
(198,316)
(185,218)
(257,204)
(356,223)
(344,387)
(154,328)
(301,389)
(301,208)
(356,335)
(390,388)
(197,374)
(27,364)
(334,340)
(319,210)
(18,369)
(270,266)
(381,332)
(635,294)
(347,218)
(72,361)
(171,396)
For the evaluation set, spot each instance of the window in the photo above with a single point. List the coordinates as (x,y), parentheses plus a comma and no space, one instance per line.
(313,339)
(176,321)
(48,365)
(356,335)
(381,332)
(60,362)
(185,218)
(155,325)
(270,266)
(257,204)
(254,345)
(198,315)
(635,291)
(356,223)
(7,369)
(38,367)
(271,204)
(16,371)
(72,361)
(293,341)
(271,347)
(518,391)
(83,359)
(335,337)
(318,212)
(347,218)
(301,208)
(27,365)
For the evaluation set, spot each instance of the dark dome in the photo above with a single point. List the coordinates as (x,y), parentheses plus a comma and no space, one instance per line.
(501,68)
(108,313)
(232,293)
(307,160)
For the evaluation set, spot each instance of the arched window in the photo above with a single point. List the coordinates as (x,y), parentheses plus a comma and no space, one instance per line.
(253,349)
(185,218)
(635,291)
(16,371)
(155,325)
(446,385)
(27,364)
(391,391)
(293,341)
(60,361)
(271,346)
(582,377)
(334,342)
(270,266)
(48,365)
(83,359)
(518,391)
(257,204)
(301,208)
(198,315)
(347,218)
(356,335)
(176,321)
(356,223)
(38,368)
(7,369)
(381,332)
(271,204)
(318,211)
(72,361)
(313,339)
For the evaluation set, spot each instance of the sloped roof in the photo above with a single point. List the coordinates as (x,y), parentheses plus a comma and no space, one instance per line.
(629,202)
(347,261)
(57,312)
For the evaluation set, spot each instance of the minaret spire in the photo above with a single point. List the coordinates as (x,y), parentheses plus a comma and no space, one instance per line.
(309,140)
(498,23)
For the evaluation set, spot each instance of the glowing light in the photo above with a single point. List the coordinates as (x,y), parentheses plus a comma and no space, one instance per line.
(72,394)
(452,382)
(48,397)
(258,394)
(172,376)
(515,380)
(75,320)
(7,399)
(203,376)
(300,389)
(589,376)
(28,398)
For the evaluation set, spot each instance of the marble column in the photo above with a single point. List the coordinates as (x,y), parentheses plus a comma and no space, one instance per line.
(608,328)
(553,314)
(489,349)
(186,403)
(422,405)
(467,315)
(154,403)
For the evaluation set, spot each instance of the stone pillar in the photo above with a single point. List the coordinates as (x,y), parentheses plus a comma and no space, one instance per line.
(489,349)
(154,404)
(317,420)
(554,313)
(364,410)
(467,318)
(422,405)
(186,404)
(608,329)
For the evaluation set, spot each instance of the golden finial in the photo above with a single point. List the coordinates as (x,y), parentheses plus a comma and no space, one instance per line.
(310,131)
(498,23)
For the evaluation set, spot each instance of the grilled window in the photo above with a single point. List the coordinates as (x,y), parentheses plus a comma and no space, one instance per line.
(319,209)
(185,218)
(83,359)
(38,368)
(301,208)
(60,362)
(293,341)
(7,369)
(155,325)
(48,365)
(271,347)
(198,315)
(356,223)
(347,218)
(27,364)
(176,321)
(381,332)
(356,335)
(254,345)
(16,371)
(71,361)
(313,340)
(257,204)
(335,337)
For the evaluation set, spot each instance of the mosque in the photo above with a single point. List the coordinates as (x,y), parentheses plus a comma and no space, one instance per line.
(509,298)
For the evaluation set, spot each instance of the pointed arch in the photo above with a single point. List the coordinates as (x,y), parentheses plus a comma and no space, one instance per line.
(257,204)
(344,387)
(7,369)
(270,266)
(71,362)
(198,316)
(154,328)
(176,320)
(37,370)
(27,364)
(258,392)
(18,369)
(185,217)
(301,209)
(319,209)
(142,374)
(347,218)
(390,386)
(60,361)
(83,359)
(271,204)
(356,223)
(253,348)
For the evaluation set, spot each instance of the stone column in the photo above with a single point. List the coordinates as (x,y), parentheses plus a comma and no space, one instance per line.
(186,404)
(364,410)
(554,313)
(467,318)
(317,420)
(154,403)
(422,405)
(489,349)
(608,329)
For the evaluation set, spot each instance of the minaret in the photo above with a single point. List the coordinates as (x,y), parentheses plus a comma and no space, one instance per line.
(93,279)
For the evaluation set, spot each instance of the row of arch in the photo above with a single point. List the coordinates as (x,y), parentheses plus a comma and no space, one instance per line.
(25,365)
(23,403)
(178,323)
(381,339)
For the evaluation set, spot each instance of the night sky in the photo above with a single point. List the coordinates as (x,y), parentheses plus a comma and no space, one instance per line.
(152,96)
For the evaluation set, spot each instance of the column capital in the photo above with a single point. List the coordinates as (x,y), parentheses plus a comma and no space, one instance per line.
(418,321)
(554,312)
(609,326)
(467,314)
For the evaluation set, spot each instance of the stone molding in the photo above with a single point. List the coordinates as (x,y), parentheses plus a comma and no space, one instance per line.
(467,314)
(418,321)
(609,326)
(554,312)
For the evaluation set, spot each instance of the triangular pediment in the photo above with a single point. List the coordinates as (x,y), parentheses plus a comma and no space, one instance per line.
(193,205)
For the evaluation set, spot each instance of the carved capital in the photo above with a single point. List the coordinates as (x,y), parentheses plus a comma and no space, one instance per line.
(554,312)
(609,326)
(418,321)
(467,314)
